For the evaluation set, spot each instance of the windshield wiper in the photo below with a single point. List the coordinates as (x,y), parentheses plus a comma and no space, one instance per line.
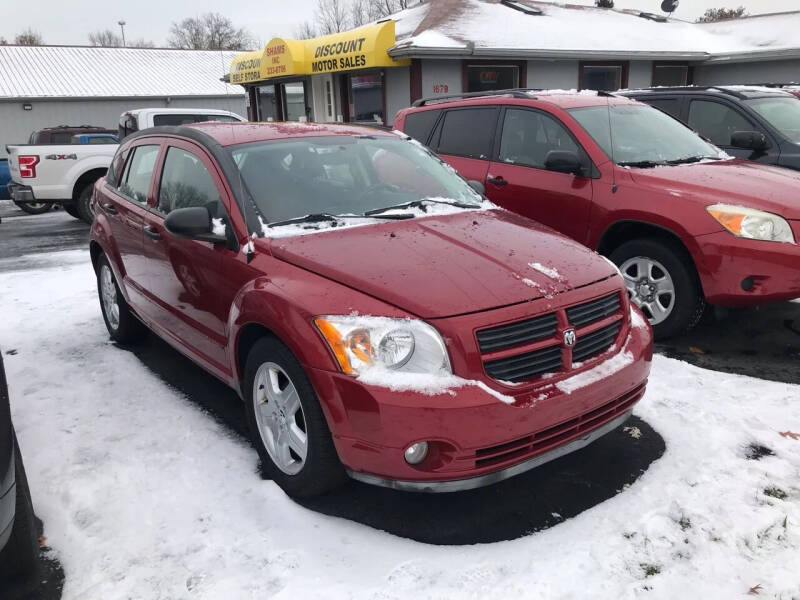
(330,218)
(691,159)
(421,204)
(642,164)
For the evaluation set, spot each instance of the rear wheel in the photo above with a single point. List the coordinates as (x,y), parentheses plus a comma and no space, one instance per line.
(34,208)
(286,422)
(72,210)
(21,553)
(122,326)
(661,281)
(84,204)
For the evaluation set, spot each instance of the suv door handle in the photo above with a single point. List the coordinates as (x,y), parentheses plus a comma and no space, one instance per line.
(152,233)
(109,208)
(498,181)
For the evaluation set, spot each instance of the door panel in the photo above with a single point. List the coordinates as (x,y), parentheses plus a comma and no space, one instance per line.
(519,181)
(183,275)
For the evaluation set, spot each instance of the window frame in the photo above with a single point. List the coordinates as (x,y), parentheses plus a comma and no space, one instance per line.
(348,93)
(130,154)
(522,70)
(672,63)
(590,170)
(624,72)
(438,129)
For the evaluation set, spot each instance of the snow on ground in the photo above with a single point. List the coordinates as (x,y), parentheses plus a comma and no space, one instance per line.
(146,496)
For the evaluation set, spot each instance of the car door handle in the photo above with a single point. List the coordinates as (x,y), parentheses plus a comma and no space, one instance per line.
(109,208)
(152,233)
(498,181)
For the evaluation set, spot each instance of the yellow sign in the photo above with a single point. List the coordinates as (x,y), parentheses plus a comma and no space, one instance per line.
(362,48)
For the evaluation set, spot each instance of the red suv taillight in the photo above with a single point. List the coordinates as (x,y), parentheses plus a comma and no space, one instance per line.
(27,165)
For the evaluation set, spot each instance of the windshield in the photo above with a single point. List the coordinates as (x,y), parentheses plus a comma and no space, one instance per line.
(782,113)
(345,175)
(643,136)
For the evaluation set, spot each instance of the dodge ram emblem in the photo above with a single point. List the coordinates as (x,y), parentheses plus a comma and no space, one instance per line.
(569,338)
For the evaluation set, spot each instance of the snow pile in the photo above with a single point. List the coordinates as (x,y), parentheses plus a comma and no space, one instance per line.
(217,226)
(144,495)
(603,370)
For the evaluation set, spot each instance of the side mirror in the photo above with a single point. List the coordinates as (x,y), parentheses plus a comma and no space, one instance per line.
(563,161)
(477,186)
(194,223)
(749,140)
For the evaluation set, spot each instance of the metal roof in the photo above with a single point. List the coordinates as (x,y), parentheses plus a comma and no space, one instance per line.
(89,72)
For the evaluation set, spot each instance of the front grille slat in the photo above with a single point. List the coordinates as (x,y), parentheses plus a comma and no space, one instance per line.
(524,366)
(595,343)
(515,334)
(594,310)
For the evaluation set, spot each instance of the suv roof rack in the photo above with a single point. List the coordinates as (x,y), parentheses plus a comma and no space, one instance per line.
(694,88)
(514,93)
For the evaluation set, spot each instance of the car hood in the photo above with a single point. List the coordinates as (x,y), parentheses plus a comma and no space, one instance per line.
(440,266)
(746,183)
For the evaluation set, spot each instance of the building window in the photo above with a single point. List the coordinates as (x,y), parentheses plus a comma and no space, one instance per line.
(667,74)
(267,103)
(607,77)
(366,98)
(481,78)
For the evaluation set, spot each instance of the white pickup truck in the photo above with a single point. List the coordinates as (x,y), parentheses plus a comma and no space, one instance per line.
(66,173)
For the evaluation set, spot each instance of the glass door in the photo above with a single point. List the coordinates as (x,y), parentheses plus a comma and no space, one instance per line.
(267,103)
(294,101)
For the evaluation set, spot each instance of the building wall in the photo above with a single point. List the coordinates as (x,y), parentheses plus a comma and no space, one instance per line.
(17,124)
(553,74)
(768,71)
(398,91)
(441,77)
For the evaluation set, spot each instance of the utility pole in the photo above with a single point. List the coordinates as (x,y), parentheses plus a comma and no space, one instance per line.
(122,27)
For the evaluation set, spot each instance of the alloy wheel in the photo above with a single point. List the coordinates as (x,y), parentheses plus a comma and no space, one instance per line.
(650,287)
(108,293)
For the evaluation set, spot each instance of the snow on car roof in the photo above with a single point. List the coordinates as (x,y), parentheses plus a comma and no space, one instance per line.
(230,133)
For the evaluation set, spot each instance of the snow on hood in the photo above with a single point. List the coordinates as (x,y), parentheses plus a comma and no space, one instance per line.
(448,264)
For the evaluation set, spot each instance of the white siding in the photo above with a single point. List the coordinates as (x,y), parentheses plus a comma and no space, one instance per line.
(768,71)
(398,91)
(17,124)
(640,73)
(441,73)
(553,74)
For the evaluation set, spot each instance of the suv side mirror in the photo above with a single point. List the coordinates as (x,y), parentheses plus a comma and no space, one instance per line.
(749,140)
(477,186)
(194,223)
(563,161)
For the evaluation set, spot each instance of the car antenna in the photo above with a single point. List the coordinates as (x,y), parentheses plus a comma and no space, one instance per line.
(611,142)
(249,248)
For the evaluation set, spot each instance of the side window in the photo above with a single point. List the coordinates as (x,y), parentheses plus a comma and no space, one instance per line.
(528,136)
(418,125)
(468,132)
(114,171)
(139,172)
(186,182)
(716,121)
(671,106)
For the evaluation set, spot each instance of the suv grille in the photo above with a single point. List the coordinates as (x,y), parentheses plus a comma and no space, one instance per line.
(533,363)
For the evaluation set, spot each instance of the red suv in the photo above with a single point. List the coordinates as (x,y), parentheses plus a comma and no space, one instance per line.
(685,223)
(378,317)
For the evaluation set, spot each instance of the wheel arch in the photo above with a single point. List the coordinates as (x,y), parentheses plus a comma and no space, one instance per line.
(85,179)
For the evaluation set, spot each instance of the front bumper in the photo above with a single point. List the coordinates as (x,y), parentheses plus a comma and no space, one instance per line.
(474,438)
(742,272)
(20,193)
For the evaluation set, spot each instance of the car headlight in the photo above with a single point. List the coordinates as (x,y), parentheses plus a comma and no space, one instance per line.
(751,223)
(405,345)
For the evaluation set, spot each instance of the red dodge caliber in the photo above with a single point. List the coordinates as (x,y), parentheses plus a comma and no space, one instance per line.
(379,317)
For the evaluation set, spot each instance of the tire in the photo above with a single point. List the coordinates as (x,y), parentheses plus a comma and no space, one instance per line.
(320,471)
(34,208)
(122,325)
(648,267)
(72,210)
(21,554)
(83,204)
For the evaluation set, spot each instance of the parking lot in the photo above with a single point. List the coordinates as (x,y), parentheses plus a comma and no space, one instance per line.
(143,476)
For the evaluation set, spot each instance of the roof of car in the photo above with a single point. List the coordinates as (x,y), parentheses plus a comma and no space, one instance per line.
(562,98)
(231,133)
(736,91)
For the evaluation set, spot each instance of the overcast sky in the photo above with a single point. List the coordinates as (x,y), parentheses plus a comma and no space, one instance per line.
(70,22)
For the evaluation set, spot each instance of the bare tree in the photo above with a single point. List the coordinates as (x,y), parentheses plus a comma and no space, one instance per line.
(3,41)
(721,14)
(29,37)
(211,31)
(305,31)
(140,43)
(105,38)
(331,16)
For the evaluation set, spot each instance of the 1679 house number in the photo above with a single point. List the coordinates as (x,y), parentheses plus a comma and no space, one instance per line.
(440,88)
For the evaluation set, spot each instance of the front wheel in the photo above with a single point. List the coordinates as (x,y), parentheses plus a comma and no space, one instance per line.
(122,326)
(662,282)
(21,553)
(34,208)
(84,204)
(286,422)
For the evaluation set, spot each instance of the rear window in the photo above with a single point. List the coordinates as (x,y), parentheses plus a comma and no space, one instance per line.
(185,119)
(468,132)
(420,124)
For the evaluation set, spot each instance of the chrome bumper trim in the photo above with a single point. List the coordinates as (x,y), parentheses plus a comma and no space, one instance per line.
(458,485)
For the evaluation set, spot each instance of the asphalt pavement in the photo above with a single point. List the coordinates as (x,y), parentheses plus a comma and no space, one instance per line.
(763,342)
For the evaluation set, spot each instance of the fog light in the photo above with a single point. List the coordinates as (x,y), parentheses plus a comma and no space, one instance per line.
(416,453)
(747,284)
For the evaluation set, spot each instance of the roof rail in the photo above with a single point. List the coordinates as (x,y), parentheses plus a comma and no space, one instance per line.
(514,93)
(690,88)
